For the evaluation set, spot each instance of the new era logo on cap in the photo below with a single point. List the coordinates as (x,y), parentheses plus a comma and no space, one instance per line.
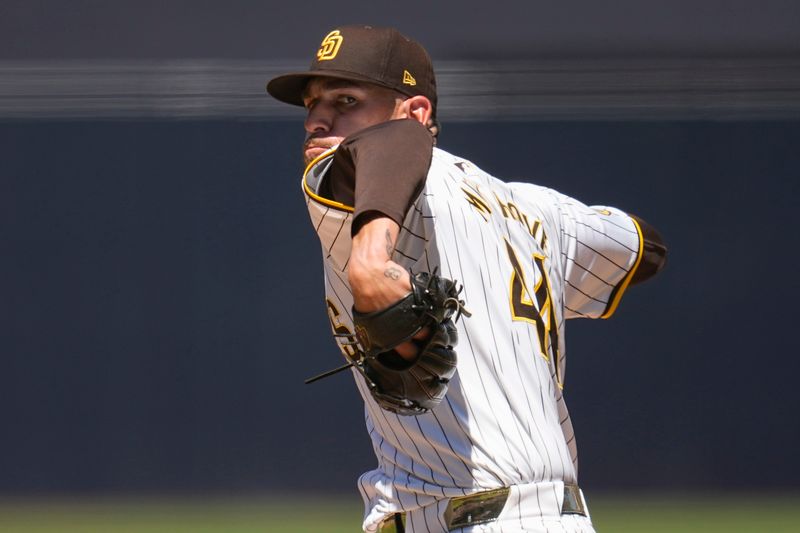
(408,79)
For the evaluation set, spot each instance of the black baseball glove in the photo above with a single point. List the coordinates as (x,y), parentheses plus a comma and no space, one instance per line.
(398,385)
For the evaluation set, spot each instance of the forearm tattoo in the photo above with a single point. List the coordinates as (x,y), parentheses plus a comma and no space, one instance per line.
(392,273)
(389,244)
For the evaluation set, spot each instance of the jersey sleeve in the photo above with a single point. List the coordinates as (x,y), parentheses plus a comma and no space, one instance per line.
(601,248)
(383,168)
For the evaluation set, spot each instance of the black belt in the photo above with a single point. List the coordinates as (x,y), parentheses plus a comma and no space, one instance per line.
(481,508)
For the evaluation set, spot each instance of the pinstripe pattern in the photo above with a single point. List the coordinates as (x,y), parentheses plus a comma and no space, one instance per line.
(504,421)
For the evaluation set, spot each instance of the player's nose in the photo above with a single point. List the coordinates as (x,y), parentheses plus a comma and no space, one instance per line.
(319,119)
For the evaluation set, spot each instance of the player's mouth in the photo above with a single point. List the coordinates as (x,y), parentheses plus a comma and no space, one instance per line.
(312,149)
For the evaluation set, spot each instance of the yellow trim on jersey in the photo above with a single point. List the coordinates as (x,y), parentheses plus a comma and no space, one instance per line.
(324,201)
(317,159)
(319,199)
(617,294)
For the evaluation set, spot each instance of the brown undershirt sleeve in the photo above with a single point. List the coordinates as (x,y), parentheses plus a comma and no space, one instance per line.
(380,169)
(654,253)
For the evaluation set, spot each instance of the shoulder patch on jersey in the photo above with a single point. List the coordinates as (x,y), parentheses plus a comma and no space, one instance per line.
(463,166)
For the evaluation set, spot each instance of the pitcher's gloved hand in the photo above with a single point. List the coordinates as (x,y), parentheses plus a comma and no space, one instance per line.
(411,387)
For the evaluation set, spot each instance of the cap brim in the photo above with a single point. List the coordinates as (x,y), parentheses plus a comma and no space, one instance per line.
(289,88)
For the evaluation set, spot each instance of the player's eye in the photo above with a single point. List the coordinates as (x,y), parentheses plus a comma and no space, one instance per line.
(346,99)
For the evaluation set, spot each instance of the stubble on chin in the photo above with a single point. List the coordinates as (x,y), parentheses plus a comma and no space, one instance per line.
(307,159)
(323,146)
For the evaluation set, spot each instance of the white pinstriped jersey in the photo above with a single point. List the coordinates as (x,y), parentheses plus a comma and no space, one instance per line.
(528,258)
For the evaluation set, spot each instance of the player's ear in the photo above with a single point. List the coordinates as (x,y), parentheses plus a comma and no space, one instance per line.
(418,108)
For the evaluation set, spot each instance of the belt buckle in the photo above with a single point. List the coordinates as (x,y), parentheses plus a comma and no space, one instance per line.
(394,523)
(573,502)
(474,509)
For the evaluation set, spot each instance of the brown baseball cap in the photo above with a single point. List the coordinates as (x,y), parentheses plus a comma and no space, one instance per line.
(382,56)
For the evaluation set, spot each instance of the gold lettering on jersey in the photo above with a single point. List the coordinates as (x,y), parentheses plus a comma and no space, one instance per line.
(522,306)
(547,312)
(510,210)
(330,46)
(477,200)
(344,337)
(538,309)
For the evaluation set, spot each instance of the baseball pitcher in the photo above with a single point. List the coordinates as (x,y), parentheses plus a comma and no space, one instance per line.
(447,292)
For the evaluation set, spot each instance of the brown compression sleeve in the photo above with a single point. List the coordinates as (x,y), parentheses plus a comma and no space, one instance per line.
(654,253)
(381,170)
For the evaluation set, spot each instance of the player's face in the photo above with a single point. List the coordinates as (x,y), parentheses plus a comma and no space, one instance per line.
(338,108)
